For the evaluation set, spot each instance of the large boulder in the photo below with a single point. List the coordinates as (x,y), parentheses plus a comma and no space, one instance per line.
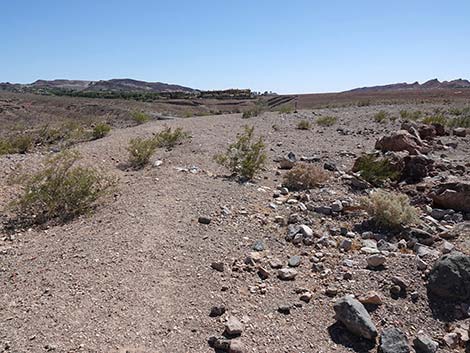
(416,168)
(423,131)
(355,317)
(398,141)
(393,340)
(455,196)
(450,277)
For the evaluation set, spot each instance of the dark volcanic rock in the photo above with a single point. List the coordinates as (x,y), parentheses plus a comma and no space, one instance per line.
(455,196)
(393,340)
(450,277)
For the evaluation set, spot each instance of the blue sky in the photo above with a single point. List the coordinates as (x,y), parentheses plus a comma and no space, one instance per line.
(286,46)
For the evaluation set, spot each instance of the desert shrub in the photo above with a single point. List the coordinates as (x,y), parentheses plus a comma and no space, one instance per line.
(326,120)
(140,151)
(381,116)
(21,143)
(304,176)
(413,116)
(140,117)
(458,112)
(246,156)
(390,210)
(60,191)
(286,109)
(169,138)
(100,130)
(376,170)
(460,121)
(304,125)
(363,103)
(251,113)
(439,118)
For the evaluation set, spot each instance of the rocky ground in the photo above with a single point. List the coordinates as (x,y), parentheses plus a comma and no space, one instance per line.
(181,254)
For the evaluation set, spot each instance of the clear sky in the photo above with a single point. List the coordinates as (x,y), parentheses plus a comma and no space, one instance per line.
(288,46)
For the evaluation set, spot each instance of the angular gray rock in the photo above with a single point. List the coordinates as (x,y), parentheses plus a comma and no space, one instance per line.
(450,277)
(393,340)
(355,317)
(233,326)
(424,344)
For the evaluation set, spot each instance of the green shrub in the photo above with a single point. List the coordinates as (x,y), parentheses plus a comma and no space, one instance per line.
(304,125)
(169,138)
(100,130)
(21,143)
(304,176)
(140,151)
(390,210)
(375,170)
(140,117)
(460,121)
(326,120)
(413,116)
(440,119)
(251,113)
(381,116)
(60,191)
(244,157)
(286,109)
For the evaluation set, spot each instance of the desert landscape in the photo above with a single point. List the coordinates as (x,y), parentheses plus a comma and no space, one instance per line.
(230,221)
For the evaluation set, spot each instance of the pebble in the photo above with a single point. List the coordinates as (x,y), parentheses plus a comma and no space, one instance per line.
(370,297)
(204,220)
(217,311)
(233,326)
(218,266)
(294,261)
(258,245)
(287,274)
(275,263)
(375,261)
(346,244)
(284,309)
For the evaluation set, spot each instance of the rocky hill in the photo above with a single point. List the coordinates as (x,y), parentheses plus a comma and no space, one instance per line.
(431,84)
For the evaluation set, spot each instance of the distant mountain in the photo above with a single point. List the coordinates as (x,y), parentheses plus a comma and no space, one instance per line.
(431,84)
(114,85)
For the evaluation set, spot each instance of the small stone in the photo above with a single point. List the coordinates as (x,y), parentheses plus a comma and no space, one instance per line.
(284,309)
(337,206)
(217,311)
(348,276)
(452,340)
(236,346)
(233,326)
(355,317)
(346,244)
(400,282)
(263,273)
(331,291)
(275,263)
(218,266)
(370,297)
(204,220)
(294,261)
(393,340)
(447,247)
(376,260)
(421,264)
(460,131)
(306,231)
(258,245)
(395,290)
(424,344)
(306,297)
(287,274)
(325,210)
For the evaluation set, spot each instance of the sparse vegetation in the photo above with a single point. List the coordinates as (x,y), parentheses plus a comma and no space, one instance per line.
(460,121)
(251,113)
(245,157)
(169,138)
(100,130)
(326,121)
(60,191)
(286,109)
(140,151)
(304,125)
(390,210)
(440,119)
(20,143)
(140,117)
(304,176)
(412,116)
(381,116)
(363,103)
(376,170)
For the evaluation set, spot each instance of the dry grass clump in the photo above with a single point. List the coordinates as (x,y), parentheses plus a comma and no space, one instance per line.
(440,119)
(390,210)
(60,191)
(304,176)
(100,131)
(304,125)
(246,156)
(251,113)
(326,121)
(16,144)
(140,117)
(411,115)
(381,116)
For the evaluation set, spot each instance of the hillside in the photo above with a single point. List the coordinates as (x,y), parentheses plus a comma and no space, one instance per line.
(431,84)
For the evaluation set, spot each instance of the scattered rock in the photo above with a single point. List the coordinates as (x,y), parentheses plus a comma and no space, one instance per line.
(204,220)
(459,131)
(288,161)
(450,277)
(346,244)
(424,344)
(294,261)
(355,317)
(287,274)
(258,245)
(455,196)
(393,340)
(376,260)
(217,311)
(233,327)
(400,140)
(371,298)
(284,309)
(275,263)
(218,266)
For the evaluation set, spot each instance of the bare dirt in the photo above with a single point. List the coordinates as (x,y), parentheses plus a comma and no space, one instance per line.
(136,275)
